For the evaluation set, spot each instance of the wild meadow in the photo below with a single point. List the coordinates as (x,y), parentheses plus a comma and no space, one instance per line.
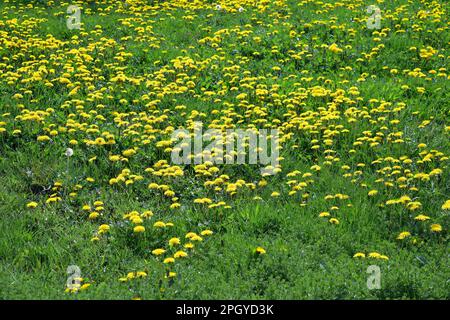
(93,205)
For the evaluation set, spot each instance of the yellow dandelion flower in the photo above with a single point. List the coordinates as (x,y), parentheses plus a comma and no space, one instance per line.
(446,205)
(159,224)
(180,254)
(422,217)
(93,215)
(174,242)
(334,221)
(32,205)
(169,260)
(189,245)
(206,233)
(103,228)
(403,235)
(260,250)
